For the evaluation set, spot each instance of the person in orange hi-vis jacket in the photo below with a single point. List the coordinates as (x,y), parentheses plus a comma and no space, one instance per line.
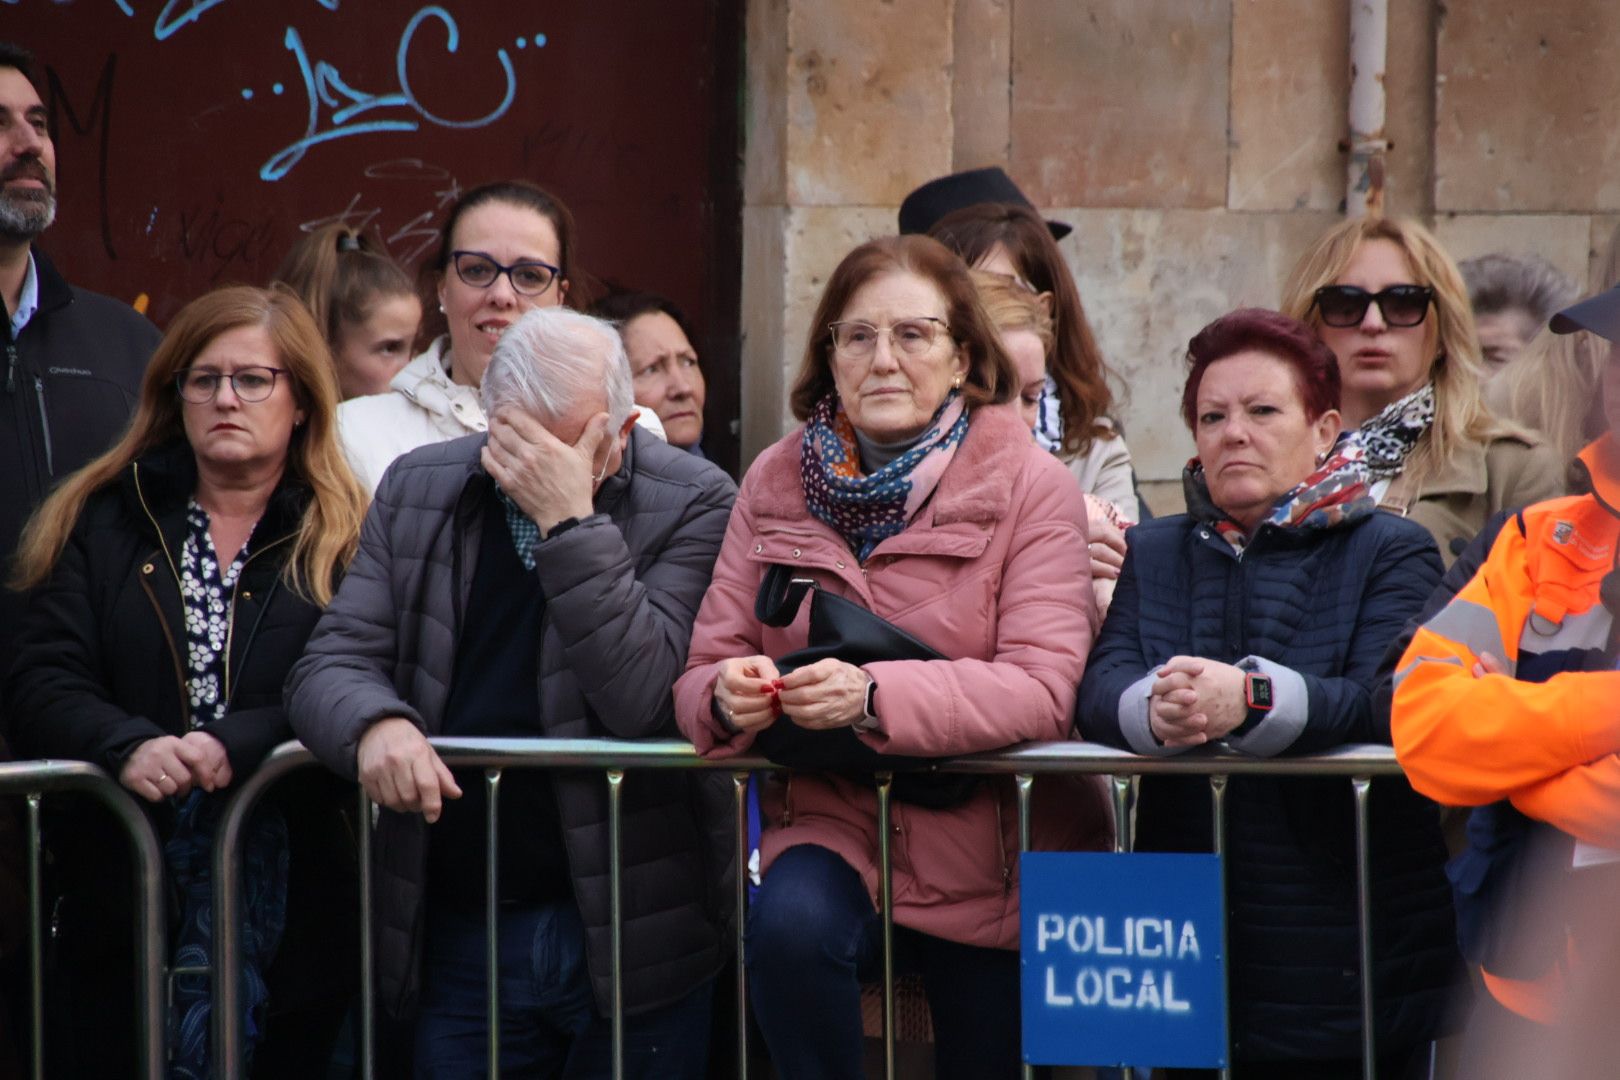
(1508,701)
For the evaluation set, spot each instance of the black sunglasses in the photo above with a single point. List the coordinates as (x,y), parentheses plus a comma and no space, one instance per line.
(1346,305)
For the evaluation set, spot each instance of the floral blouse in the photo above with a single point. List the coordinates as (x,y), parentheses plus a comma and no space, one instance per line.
(206,592)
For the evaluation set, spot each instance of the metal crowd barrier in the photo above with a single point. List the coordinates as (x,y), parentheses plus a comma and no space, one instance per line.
(34,780)
(1359,764)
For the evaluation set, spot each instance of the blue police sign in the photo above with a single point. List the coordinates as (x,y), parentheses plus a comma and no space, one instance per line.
(1122,960)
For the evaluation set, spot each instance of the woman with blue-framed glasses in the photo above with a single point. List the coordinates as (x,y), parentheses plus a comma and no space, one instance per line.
(1389,301)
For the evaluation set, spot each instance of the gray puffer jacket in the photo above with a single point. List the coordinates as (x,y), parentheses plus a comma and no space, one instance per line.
(622,590)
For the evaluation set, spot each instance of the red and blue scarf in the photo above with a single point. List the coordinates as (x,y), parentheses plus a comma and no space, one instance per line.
(867,509)
(1336,493)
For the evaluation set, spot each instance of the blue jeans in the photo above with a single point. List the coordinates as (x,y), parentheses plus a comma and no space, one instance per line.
(549,1022)
(814,936)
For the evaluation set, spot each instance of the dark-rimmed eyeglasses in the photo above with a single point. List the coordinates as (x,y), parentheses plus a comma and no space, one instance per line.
(251,384)
(1346,305)
(530,277)
(859,340)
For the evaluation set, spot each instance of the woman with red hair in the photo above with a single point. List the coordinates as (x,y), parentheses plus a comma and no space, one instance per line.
(1258,619)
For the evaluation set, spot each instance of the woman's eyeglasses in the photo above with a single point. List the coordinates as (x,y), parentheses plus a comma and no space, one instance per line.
(858,340)
(1346,305)
(251,384)
(528,278)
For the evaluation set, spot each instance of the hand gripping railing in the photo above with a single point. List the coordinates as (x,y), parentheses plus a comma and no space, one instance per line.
(35,779)
(615,758)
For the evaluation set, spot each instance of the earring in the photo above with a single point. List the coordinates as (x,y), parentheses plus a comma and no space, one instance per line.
(956,383)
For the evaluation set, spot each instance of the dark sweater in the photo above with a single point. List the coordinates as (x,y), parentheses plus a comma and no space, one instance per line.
(493,692)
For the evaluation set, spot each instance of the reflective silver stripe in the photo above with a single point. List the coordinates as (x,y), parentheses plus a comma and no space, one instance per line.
(1588,630)
(1400,676)
(1472,626)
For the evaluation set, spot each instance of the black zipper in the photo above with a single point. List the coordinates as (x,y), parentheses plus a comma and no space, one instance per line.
(11,366)
(44,425)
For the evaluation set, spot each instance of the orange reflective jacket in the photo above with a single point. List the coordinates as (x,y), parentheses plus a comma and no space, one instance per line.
(1530,736)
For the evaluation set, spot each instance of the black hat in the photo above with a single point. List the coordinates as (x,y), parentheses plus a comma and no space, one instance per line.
(1600,314)
(925,206)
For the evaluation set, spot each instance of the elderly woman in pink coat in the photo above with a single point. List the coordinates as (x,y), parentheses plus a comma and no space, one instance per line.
(914,490)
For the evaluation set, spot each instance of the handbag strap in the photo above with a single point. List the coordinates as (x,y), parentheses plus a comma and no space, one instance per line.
(780,595)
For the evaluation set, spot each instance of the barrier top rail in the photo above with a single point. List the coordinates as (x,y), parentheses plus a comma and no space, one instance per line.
(1362,759)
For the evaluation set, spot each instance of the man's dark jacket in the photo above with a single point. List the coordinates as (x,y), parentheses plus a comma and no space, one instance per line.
(622,590)
(68,385)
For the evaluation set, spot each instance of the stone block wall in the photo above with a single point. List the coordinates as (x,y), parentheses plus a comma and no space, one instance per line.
(1195,145)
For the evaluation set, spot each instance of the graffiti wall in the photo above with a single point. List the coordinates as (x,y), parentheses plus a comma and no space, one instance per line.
(196,137)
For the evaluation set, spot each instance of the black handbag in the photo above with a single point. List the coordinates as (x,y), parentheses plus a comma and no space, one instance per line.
(844,630)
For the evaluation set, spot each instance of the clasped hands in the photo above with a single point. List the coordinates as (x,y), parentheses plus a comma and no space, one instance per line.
(751,693)
(1196,701)
(169,766)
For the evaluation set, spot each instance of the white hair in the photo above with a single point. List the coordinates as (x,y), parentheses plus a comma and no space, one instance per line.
(554,358)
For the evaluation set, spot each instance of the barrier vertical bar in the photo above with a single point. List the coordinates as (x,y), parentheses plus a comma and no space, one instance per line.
(368,994)
(36,952)
(739,787)
(885,785)
(1217,800)
(615,780)
(1362,786)
(1026,786)
(1121,786)
(492,950)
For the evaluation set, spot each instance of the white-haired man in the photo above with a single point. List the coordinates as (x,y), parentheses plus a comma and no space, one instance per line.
(541,581)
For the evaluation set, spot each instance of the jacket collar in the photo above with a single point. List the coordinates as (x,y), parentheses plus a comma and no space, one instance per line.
(976,488)
(160,483)
(1465,473)
(54,291)
(1599,465)
(426,381)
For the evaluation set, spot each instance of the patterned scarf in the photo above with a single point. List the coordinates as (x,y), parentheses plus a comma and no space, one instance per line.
(868,509)
(1387,438)
(1336,493)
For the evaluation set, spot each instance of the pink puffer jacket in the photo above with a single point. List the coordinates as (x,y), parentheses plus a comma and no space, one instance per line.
(992,571)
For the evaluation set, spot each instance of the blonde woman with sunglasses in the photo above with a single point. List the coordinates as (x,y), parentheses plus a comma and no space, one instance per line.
(1391,304)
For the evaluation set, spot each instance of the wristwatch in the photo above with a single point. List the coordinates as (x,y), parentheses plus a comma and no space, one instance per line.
(1258,697)
(561,527)
(868,721)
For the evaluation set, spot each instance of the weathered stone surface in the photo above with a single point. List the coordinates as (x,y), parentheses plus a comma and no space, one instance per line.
(765,123)
(1528,115)
(1121,103)
(1290,79)
(1603,253)
(1409,107)
(765,272)
(868,100)
(1565,240)
(794,251)
(1152,279)
(981,83)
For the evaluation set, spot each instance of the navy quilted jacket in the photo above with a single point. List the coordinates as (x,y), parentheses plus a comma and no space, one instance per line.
(1320,605)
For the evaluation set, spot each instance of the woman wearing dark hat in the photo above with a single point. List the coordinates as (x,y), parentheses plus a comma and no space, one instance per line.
(983,217)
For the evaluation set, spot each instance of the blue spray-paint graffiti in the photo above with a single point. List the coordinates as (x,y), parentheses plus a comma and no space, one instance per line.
(176,14)
(349,108)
